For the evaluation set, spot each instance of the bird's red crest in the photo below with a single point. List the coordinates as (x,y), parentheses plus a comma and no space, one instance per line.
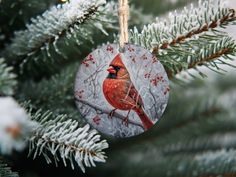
(117,61)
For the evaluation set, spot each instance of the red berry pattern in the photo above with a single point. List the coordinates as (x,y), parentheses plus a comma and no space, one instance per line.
(97,120)
(79,93)
(89,60)
(110,49)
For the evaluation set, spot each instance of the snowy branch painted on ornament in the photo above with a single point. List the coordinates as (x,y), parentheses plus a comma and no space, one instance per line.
(121,94)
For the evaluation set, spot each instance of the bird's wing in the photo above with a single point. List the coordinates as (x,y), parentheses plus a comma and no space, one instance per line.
(133,93)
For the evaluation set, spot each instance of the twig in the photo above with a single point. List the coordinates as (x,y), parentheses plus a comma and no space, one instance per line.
(209,58)
(204,28)
(200,62)
(100,69)
(117,115)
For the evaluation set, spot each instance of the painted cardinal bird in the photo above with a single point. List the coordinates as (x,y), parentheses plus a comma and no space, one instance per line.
(120,92)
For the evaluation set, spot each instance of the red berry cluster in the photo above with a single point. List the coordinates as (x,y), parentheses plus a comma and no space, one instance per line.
(144,57)
(97,120)
(154,59)
(147,75)
(87,60)
(130,49)
(79,93)
(157,79)
(132,58)
(146,65)
(110,49)
(166,90)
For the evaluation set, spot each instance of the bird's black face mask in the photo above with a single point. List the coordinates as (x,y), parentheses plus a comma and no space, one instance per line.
(113,70)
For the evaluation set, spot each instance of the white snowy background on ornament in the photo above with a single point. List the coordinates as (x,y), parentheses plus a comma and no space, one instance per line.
(90,98)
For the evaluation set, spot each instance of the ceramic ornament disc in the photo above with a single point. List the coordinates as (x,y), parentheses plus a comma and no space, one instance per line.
(121,94)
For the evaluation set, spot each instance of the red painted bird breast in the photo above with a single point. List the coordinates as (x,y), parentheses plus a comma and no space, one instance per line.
(117,86)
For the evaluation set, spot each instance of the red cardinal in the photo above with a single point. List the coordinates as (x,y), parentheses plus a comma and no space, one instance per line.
(120,92)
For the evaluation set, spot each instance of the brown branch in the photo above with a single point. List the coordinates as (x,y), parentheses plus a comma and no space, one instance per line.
(117,115)
(98,70)
(229,17)
(201,62)
(210,58)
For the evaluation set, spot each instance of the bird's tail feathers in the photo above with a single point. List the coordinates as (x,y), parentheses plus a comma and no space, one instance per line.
(144,118)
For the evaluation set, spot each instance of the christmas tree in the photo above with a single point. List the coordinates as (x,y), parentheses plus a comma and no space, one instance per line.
(42,44)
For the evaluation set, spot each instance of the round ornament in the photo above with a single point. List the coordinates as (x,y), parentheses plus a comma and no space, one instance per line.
(122,94)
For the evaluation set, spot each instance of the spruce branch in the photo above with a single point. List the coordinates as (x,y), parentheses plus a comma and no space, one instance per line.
(7,79)
(180,159)
(55,93)
(72,21)
(204,143)
(5,171)
(179,39)
(59,137)
(208,163)
(209,55)
(14,15)
(226,18)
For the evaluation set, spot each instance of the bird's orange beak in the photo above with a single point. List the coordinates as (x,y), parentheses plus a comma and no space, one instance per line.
(111,70)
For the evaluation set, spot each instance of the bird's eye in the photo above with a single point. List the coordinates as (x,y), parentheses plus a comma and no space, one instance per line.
(117,68)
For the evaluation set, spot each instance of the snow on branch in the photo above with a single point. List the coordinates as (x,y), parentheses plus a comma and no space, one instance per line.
(15,126)
(219,51)
(177,39)
(183,25)
(71,21)
(58,138)
(7,79)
